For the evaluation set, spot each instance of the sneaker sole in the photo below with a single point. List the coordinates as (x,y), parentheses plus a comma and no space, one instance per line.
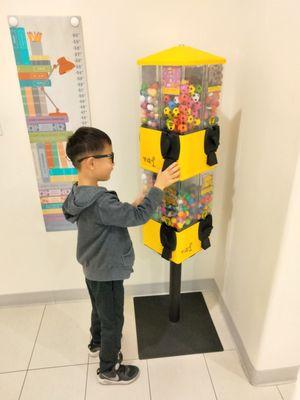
(94,353)
(111,382)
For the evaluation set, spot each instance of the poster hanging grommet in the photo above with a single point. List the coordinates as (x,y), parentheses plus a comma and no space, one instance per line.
(75,21)
(13,21)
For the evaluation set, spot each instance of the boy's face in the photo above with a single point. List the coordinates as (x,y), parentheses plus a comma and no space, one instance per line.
(103,166)
(98,169)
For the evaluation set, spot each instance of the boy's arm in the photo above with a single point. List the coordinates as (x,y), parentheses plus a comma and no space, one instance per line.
(113,212)
(139,199)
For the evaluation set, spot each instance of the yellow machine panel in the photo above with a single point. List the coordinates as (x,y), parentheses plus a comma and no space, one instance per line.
(192,158)
(188,243)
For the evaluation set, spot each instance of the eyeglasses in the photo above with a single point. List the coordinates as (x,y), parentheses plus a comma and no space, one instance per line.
(111,155)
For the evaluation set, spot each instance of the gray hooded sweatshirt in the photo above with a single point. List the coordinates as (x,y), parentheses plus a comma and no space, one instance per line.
(104,247)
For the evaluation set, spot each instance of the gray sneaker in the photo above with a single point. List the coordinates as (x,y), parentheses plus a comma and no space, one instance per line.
(94,349)
(119,375)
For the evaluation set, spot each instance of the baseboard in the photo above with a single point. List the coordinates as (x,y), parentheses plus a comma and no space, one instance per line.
(45,297)
(55,296)
(255,377)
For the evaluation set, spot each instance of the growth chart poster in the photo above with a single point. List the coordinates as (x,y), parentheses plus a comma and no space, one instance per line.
(49,56)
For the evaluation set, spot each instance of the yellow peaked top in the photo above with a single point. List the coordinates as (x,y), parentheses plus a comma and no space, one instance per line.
(181,55)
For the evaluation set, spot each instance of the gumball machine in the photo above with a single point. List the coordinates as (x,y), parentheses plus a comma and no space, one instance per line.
(179,100)
(179,103)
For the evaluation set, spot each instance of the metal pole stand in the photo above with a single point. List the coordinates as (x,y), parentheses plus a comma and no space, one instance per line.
(175,287)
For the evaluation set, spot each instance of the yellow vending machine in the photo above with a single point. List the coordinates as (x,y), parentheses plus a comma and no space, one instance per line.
(179,101)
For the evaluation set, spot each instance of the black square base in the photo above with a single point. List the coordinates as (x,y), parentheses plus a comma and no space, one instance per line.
(158,337)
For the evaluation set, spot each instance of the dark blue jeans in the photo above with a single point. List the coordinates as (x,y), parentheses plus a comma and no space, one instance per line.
(107,319)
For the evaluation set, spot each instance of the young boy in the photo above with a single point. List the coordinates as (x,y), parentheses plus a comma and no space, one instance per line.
(104,247)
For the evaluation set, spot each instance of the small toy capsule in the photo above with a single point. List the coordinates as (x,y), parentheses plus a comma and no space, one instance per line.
(182,128)
(212,121)
(150,99)
(144,86)
(150,107)
(183,108)
(192,89)
(179,226)
(167,111)
(182,119)
(190,119)
(197,121)
(196,97)
(142,98)
(199,89)
(184,89)
(172,104)
(183,98)
(176,99)
(167,98)
(175,111)
(152,92)
(170,125)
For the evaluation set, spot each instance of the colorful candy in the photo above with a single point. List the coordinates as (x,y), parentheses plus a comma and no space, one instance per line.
(183,100)
(183,203)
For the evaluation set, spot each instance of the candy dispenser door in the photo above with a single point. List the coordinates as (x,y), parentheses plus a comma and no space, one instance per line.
(150,97)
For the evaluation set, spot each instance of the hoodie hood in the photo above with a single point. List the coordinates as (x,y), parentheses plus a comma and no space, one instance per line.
(80,198)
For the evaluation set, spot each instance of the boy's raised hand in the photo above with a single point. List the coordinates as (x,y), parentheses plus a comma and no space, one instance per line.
(167,177)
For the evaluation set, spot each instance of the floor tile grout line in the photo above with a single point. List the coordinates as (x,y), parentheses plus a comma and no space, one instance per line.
(86,377)
(38,331)
(57,366)
(213,386)
(13,372)
(280,394)
(149,383)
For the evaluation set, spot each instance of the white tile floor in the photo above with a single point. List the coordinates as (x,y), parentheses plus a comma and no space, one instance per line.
(44,356)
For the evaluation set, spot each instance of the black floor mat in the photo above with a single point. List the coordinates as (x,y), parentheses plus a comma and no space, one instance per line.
(158,337)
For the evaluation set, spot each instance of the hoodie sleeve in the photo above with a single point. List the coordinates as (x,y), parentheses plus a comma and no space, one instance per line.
(69,217)
(113,212)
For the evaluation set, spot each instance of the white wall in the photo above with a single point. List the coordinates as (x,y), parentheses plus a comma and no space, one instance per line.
(258,277)
(254,181)
(116,34)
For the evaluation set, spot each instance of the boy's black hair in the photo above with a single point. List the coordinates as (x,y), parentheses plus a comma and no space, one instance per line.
(84,141)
